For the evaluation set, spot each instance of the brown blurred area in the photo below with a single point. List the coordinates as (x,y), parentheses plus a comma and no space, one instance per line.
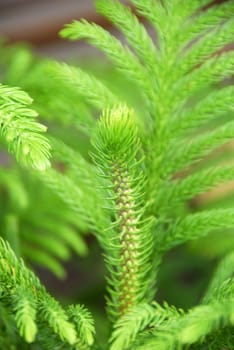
(38,23)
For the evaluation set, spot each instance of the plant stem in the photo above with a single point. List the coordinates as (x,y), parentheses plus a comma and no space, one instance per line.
(127,226)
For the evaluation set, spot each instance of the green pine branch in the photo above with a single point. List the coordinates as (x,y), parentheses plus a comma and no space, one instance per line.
(174,193)
(196,26)
(217,103)
(190,328)
(138,322)
(128,239)
(122,57)
(91,89)
(133,175)
(32,303)
(221,285)
(20,131)
(195,149)
(194,226)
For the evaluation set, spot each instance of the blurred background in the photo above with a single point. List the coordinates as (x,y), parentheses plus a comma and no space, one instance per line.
(187,268)
(38,23)
(29,33)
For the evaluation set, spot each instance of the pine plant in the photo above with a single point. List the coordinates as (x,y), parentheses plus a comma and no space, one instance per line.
(129,183)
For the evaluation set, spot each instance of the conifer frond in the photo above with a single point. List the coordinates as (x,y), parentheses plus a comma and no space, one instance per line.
(125,21)
(24,305)
(80,171)
(197,225)
(77,167)
(171,21)
(173,193)
(43,258)
(70,193)
(205,110)
(17,280)
(120,55)
(129,242)
(132,175)
(84,323)
(191,328)
(80,199)
(91,89)
(205,20)
(212,70)
(54,99)
(52,244)
(38,225)
(49,249)
(155,13)
(206,46)
(129,326)
(222,280)
(195,149)
(139,40)
(65,234)
(139,322)
(20,131)
(57,319)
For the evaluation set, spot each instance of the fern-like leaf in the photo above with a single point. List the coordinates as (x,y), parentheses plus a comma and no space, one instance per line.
(129,241)
(91,89)
(221,285)
(19,129)
(191,328)
(197,225)
(174,193)
(129,326)
(25,313)
(30,297)
(195,149)
(84,322)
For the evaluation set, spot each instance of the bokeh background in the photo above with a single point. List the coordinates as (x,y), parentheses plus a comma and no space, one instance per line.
(188,268)
(38,23)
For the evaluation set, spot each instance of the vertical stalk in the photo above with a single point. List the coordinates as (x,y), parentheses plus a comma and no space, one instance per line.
(128,239)
(127,227)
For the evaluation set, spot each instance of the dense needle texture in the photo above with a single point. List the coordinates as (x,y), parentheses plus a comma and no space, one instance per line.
(130,180)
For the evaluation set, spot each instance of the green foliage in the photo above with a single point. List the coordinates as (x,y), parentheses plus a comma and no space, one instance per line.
(190,328)
(31,301)
(221,285)
(25,313)
(20,131)
(130,181)
(84,323)
(135,322)
(196,225)
(44,231)
(91,89)
(128,256)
